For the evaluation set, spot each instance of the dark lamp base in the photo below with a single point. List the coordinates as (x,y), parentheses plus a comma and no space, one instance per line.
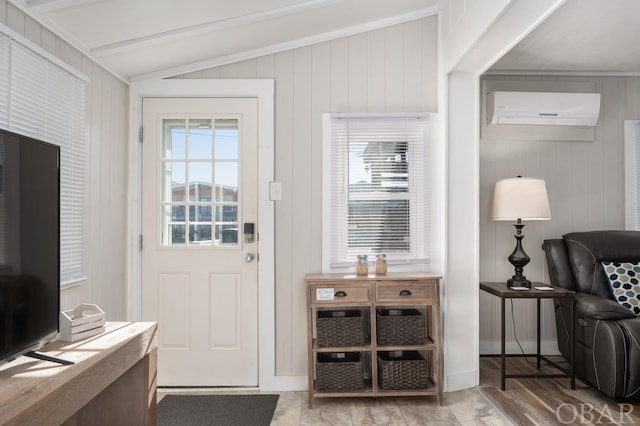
(519,259)
(518,282)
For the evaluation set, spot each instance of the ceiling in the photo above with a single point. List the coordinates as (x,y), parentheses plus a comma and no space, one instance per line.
(140,39)
(598,36)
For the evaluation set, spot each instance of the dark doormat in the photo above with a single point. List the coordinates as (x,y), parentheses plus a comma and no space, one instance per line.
(227,410)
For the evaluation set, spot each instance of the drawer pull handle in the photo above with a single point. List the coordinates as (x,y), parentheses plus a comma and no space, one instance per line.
(405,293)
(341,294)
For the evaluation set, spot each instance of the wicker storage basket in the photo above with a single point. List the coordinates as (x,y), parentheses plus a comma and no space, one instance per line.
(400,327)
(340,328)
(339,372)
(402,370)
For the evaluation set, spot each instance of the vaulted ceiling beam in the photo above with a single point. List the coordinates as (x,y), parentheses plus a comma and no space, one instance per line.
(43,6)
(288,45)
(208,27)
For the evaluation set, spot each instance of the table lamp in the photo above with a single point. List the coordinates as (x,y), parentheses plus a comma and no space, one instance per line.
(520,199)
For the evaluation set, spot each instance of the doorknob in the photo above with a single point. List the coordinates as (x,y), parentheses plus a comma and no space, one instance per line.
(249,257)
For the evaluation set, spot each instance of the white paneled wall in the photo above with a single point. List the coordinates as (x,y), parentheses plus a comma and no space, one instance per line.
(585,182)
(107,127)
(393,69)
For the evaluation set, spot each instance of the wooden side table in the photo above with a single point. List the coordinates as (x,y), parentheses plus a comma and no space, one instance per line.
(501,290)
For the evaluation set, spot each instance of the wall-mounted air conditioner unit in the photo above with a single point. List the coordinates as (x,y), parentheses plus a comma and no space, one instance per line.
(543,108)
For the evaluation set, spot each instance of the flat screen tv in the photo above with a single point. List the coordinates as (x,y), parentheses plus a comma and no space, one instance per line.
(29,244)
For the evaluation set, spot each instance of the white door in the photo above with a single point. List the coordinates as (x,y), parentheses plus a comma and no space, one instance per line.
(199,259)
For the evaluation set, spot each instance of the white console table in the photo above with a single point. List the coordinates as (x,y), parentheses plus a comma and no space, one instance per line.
(113,381)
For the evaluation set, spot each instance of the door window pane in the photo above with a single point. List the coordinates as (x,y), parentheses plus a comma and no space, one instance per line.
(200,175)
(177,213)
(173,216)
(176,234)
(200,180)
(227,234)
(200,234)
(227,214)
(200,139)
(226,181)
(226,139)
(174,141)
(174,175)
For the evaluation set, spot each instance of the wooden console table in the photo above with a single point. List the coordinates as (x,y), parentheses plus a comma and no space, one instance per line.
(367,295)
(113,381)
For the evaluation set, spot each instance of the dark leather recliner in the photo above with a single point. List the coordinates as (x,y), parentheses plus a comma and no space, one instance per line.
(607,335)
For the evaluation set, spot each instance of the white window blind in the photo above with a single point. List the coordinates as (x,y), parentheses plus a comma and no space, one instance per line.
(4,123)
(376,188)
(47,102)
(632,174)
(4,81)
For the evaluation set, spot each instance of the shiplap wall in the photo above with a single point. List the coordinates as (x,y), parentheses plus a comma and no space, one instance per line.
(107,132)
(388,70)
(585,183)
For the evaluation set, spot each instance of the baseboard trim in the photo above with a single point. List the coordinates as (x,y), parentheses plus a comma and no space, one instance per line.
(285,383)
(463,380)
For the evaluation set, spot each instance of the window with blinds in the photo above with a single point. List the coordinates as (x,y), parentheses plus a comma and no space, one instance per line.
(376,187)
(43,98)
(632,174)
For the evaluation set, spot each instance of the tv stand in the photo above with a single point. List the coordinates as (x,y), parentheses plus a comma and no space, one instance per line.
(43,357)
(112,381)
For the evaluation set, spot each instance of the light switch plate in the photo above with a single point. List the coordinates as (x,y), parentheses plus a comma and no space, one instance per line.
(276,191)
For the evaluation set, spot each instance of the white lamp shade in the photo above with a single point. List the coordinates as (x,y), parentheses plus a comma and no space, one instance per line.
(521,198)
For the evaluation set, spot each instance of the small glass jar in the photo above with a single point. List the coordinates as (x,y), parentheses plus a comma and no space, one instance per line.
(362,266)
(381,264)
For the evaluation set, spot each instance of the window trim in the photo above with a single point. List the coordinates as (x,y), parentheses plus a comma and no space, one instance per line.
(632,174)
(328,264)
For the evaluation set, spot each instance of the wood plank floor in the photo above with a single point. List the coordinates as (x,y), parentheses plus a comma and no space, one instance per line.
(524,402)
(550,401)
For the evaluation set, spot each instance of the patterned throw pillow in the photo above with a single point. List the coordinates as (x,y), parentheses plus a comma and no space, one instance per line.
(624,278)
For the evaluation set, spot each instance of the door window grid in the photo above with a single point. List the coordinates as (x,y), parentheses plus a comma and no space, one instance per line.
(200,173)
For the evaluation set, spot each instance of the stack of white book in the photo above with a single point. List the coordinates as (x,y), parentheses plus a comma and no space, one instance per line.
(84,321)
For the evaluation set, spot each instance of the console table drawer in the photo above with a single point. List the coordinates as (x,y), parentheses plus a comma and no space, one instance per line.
(321,293)
(404,291)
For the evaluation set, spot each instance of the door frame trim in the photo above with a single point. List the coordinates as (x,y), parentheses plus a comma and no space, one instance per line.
(263,90)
